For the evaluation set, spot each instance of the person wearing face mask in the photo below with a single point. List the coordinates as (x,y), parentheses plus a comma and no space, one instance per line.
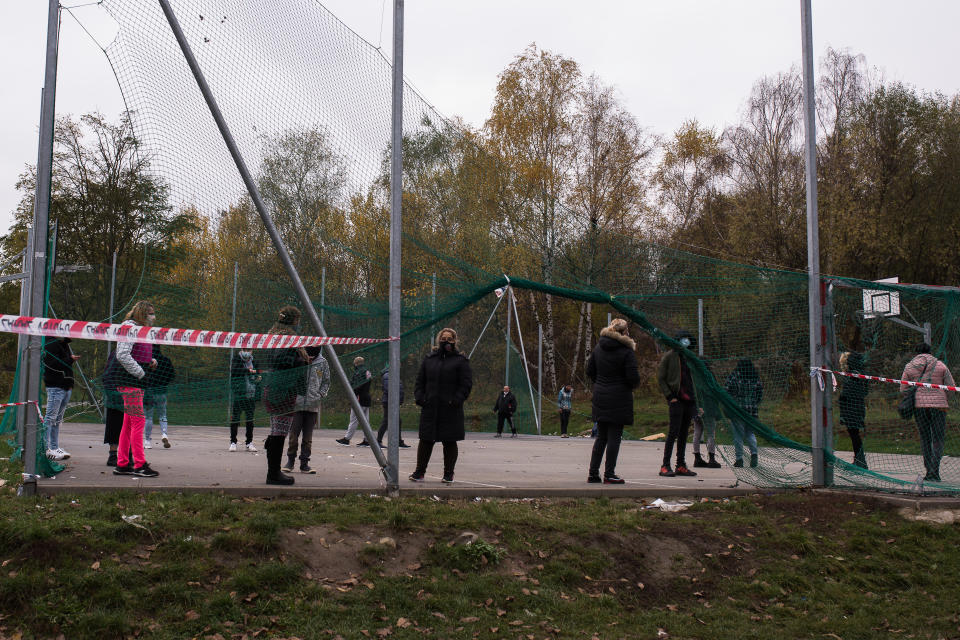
(443,385)
(244,380)
(360,382)
(676,384)
(613,368)
(135,359)
(505,407)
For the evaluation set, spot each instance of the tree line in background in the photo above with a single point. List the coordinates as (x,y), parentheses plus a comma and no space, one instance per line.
(562,185)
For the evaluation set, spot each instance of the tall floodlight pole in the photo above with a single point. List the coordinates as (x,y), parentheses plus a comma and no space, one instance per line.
(233,327)
(396,200)
(506,373)
(539,377)
(813,243)
(22,340)
(38,252)
(113,285)
(278,244)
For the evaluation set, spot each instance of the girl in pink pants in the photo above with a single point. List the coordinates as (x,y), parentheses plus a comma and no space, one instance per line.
(136,359)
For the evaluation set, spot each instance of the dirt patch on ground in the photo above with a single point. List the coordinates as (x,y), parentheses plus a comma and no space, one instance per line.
(333,555)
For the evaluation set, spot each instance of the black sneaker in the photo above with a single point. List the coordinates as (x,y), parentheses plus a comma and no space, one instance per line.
(112,459)
(698,461)
(123,471)
(404,445)
(343,442)
(712,463)
(682,470)
(144,471)
(594,479)
(666,471)
(614,479)
(738,463)
(363,443)
(416,476)
(305,468)
(447,477)
(753,460)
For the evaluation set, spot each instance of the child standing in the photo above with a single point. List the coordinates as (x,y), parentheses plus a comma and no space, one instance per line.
(306,413)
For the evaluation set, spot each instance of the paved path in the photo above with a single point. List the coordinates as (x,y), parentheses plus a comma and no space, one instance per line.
(526,466)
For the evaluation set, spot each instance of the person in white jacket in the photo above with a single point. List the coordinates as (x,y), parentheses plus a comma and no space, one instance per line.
(307,411)
(134,359)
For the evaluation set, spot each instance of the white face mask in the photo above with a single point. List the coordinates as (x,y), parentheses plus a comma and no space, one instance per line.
(151,319)
(685,342)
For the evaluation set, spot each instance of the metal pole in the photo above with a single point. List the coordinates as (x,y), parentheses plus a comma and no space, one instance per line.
(278,244)
(433,309)
(813,241)
(539,376)
(829,360)
(396,218)
(928,333)
(700,327)
(38,252)
(609,318)
(323,290)
(23,340)
(484,330)
(526,369)
(113,284)
(506,373)
(233,327)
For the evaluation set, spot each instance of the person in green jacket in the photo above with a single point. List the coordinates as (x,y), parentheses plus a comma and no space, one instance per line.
(676,384)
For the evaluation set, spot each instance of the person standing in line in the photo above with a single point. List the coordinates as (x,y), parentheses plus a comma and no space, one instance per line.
(58,362)
(244,380)
(613,369)
(676,384)
(746,389)
(383,423)
(113,402)
(930,405)
(565,405)
(505,407)
(155,398)
(135,359)
(307,411)
(360,382)
(705,428)
(286,379)
(443,385)
(852,404)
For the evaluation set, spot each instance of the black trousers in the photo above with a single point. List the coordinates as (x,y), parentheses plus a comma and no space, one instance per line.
(500,419)
(112,426)
(932,426)
(425,449)
(681,414)
(245,405)
(564,419)
(608,439)
(382,431)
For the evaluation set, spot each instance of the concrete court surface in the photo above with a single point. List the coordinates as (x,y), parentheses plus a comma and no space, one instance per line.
(526,466)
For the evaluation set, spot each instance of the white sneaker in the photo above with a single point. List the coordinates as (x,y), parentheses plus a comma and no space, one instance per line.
(63,454)
(233,446)
(147,445)
(166,441)
(53,454)
(251,448)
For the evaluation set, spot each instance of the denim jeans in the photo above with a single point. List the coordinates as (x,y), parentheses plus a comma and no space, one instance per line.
(156,403)
(741,430)
(57,400)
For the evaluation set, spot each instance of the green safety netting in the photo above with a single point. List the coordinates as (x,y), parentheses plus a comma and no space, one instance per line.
(308,102)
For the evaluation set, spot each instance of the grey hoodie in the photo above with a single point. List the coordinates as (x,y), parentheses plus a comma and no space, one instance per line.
(318,385)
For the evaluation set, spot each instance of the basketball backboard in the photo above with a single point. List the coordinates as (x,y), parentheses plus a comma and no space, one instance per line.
(879,303)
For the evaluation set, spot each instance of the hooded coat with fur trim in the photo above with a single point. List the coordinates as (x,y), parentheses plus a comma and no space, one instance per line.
(613,368)
(443,384)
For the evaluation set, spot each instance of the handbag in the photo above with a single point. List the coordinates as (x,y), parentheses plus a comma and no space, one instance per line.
(908,403)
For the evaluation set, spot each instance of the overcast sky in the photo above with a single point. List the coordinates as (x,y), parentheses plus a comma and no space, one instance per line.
(671,60)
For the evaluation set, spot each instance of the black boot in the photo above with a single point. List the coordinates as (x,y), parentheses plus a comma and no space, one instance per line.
(698,461)
(712,463)
(274,447)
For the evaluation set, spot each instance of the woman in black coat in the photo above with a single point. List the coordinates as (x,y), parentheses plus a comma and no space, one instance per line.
(443,384)
(613,368)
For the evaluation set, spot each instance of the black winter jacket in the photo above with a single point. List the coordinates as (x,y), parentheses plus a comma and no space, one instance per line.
(360,381)
(613,368)
(159,378)
(506,404)
(285,380)
(443,385)
(58,364)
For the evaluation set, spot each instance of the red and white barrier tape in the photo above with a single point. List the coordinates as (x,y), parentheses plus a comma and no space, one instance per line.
(81,330)
(912,383)
(20,404)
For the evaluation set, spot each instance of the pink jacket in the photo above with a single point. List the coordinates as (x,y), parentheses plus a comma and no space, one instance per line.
(936,372)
